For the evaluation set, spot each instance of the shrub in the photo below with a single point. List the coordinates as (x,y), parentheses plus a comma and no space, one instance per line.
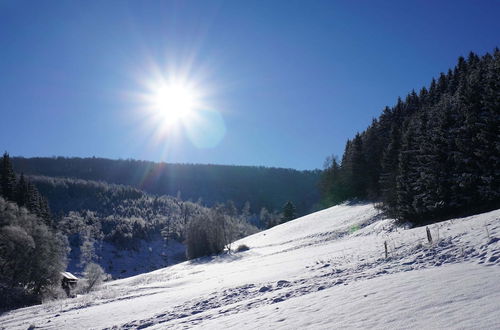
(94,276)
(53,292)
(208,233)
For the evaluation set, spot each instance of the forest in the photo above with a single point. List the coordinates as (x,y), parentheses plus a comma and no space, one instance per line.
(262,187)
(433,155)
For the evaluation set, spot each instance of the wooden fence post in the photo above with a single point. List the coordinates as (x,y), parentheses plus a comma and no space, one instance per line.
(429,236)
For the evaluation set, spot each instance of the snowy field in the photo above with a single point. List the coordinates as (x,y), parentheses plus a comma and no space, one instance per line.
(322,271)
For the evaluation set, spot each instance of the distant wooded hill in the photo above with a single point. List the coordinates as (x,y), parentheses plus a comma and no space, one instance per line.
(261,186)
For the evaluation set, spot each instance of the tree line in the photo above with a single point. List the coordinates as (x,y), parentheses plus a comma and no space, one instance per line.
(22,191)
(261,186)
(433,155)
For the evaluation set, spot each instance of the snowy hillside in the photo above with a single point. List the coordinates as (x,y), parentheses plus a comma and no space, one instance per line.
(325,270)
(145,257)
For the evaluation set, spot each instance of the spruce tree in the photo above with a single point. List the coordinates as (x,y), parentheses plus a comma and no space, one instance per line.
(288,211)
(22,191)
(7,178)
(389,171)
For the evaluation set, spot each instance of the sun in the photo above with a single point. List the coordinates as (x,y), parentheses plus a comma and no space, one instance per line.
(174,101)
(177,104)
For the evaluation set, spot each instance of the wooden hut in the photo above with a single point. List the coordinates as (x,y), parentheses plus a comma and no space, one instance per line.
(68,282)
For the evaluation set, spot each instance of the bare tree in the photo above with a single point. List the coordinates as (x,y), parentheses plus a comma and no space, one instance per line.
(94,276)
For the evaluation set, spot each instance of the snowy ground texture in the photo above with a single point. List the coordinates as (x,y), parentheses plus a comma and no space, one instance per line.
(322,271)
(145,257)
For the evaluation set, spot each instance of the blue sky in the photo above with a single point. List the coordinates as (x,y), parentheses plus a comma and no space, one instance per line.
(288,82)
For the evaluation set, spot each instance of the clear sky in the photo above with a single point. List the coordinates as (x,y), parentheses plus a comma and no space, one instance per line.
(277,83)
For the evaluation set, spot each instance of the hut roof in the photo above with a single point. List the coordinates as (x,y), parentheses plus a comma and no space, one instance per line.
(69,276)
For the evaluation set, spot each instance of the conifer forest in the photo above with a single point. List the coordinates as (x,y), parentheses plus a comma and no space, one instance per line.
(434,154)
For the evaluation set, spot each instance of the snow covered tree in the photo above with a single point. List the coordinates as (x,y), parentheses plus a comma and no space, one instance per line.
(31,253)
(208,233)
(94,276)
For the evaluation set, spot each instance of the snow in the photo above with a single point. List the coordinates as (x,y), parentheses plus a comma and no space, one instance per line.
(145,256)
(325,270)
(148,256)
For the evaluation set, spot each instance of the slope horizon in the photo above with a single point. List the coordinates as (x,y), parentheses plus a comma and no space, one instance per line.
(156,162)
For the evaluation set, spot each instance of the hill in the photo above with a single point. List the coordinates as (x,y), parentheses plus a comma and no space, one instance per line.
(260,186)
(125,230)
(325,270)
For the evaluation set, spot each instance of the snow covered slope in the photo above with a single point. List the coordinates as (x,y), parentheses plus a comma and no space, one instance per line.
(325,270)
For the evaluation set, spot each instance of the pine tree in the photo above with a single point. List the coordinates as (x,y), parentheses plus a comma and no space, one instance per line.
(288,211)
(406,176)
(389,171)
(354,169)
(331,185)
(373,145)
(7,179)
(22,191)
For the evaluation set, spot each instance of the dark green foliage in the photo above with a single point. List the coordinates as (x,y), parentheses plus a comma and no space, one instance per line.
(23,192)
(7,179)
(389,169)
(67,195)
(289,211)
(261,186)
(354,168)
(432,156)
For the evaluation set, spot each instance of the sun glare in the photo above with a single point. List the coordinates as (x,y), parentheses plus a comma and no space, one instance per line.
(174,102)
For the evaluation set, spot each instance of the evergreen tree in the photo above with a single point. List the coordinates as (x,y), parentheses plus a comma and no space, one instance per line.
(22,191)
(288,211)
(331,185)
(372,150)
(7,179)
(356,169)
(389,171)
(406,176)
